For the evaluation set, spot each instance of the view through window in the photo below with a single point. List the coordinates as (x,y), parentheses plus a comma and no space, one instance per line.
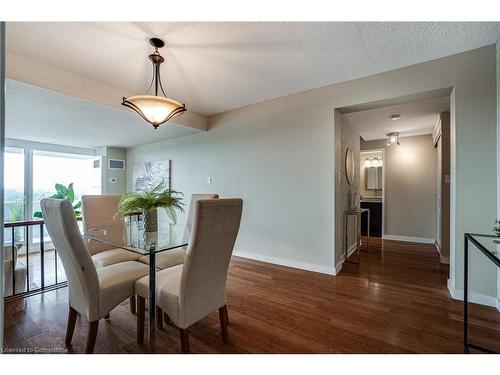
(31,175)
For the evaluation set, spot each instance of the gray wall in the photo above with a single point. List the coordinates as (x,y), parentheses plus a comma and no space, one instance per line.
(120,186)
(279,157)
(2,138)
(349,139)
(263,154)
(498,160)
(410,186)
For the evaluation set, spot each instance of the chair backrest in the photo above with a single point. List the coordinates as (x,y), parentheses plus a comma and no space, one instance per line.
(81,273)
(192,206)
(203,280)
(100,212)
(7,252)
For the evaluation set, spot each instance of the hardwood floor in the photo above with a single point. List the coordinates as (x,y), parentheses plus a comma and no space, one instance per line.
(394,301)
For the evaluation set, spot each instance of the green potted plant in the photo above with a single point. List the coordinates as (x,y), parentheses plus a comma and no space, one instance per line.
(64,192)
(16,214)
(496,229)
(148,201)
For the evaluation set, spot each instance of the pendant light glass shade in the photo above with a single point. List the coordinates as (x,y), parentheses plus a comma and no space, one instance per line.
(155,109)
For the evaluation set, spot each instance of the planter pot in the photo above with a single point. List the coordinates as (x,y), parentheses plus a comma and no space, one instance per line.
(151,221)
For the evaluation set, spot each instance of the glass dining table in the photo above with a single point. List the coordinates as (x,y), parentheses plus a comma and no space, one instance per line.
(133,239)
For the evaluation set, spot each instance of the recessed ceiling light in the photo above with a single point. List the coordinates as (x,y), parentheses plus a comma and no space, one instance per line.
(395,117)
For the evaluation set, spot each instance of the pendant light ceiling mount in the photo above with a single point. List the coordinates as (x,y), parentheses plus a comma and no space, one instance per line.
(155,109)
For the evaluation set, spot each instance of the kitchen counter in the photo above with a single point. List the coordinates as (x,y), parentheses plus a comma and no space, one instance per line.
(372,199)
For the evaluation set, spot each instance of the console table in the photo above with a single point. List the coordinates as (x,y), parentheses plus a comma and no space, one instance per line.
(357,214)
(484,243)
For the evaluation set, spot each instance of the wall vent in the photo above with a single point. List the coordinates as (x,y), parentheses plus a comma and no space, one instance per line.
(116,164)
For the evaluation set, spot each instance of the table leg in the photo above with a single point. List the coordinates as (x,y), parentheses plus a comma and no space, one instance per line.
(344,242)
(368,231)
(466,293)
(358,234)
(152,302)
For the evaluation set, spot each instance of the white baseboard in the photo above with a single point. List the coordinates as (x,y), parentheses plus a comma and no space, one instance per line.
(409,239)
(350,251)
(286,262)
(474,297)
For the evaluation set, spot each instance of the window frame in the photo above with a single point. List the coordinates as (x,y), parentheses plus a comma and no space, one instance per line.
(29,149)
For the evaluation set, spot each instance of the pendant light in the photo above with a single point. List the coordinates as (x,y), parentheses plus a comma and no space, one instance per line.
(155,109)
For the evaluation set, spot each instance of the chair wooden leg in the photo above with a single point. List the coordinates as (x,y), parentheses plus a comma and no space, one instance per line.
(91,338)
(159,317)
(227,315)
(141,316)
(166,318)
(70,328)
(133,308)
(184,340)
(223,323)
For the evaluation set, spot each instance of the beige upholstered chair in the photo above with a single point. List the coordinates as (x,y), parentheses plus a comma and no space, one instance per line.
(18,281)
(190,291)
(174,257)
(99,212)
(93,293)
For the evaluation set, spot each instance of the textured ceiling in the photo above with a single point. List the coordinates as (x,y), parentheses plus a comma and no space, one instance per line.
(214,67)
(417,118)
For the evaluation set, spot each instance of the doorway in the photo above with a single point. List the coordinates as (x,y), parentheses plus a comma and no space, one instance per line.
(404,173)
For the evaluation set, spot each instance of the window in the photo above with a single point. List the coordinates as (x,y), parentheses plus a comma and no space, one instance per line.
(14,202)
(50,168)
(31,174)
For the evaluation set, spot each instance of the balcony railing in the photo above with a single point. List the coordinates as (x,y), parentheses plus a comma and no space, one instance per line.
(30,267)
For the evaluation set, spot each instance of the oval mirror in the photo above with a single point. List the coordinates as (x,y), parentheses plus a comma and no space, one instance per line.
(349,166)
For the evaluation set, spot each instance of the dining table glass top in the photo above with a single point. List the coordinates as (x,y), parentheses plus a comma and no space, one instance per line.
(133,238)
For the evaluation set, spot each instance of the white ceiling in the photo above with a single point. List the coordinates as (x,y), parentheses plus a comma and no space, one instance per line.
(417,118)
(215,66)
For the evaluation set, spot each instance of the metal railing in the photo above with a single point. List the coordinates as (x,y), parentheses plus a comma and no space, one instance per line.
(29,226)
(44,285)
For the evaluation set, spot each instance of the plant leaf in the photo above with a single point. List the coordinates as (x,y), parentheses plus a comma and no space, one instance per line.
(38,214)
(77,205)
(61,190)
(71,193)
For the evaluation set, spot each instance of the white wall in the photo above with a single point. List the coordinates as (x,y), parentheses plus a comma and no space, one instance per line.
(278,156)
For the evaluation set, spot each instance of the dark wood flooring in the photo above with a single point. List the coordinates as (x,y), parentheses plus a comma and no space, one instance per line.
(394,301)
